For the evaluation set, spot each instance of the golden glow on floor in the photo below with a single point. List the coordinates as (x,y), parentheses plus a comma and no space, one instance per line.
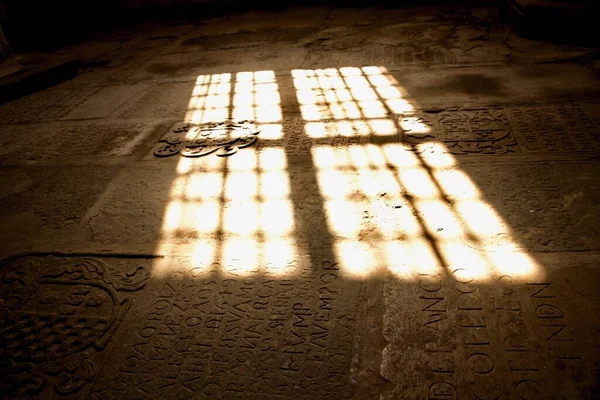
(388,205)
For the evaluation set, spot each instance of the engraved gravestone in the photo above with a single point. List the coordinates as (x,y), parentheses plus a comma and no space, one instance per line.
(551,129)
(206,333)
(47,105)
(57,314)
(485,131)
(482,339)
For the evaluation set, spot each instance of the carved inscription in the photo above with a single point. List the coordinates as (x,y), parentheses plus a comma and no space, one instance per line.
(463,132)
(565,128)
(56,314)
(229,337)
(506,340)
(411,55)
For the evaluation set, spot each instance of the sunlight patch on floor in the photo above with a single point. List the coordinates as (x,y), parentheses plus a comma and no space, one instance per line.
(236,210)
(407,209)
(389,206)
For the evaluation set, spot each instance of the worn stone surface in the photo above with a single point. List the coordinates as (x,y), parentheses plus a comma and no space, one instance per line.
(417,219)
(471,87)
(51,104)
(46,142)
(56,195)
(545,211)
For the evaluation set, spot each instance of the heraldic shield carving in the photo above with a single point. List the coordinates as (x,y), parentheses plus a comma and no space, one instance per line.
(54,311)
(464,132)
(197,140)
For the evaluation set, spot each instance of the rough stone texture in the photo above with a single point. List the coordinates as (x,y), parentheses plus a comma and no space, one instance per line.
(396,146)
(175,99)
(55,196)
(545,210)
(568,127)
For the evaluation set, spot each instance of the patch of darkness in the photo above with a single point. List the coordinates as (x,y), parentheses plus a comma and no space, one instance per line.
(474,84)
(249,38)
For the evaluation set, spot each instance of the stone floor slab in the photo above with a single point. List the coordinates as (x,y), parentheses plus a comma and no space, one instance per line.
(48,201)
(63,142)
(47,105)
(451,336)
(106,102)
(58,315)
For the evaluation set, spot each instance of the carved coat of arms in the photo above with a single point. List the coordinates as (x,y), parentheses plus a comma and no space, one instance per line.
(465,132)
(197,140)
(53,309)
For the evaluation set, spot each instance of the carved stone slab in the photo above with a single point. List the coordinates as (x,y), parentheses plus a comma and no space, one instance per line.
(389,56)
(56,196)
(457,337)
(53,141)
(203,332)
(541,205)
(546,129)
(485,131)
(57,314)
(197,140)
(551,129)
(47,105)
(165,100)
(106,101)
(289,135)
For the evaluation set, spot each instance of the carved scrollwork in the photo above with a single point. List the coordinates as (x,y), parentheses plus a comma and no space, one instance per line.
(193,140)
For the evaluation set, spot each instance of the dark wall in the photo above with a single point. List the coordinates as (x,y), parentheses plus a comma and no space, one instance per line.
(39,25)
(46,24)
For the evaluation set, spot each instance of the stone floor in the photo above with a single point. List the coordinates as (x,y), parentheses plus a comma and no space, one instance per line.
(417,220)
